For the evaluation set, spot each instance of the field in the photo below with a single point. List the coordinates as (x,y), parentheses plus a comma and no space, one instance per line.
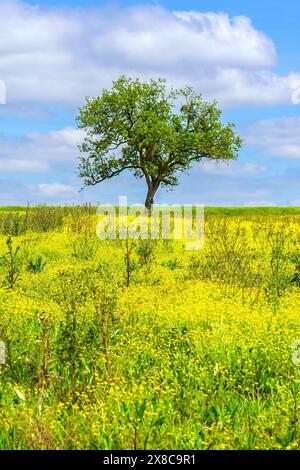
(142,345)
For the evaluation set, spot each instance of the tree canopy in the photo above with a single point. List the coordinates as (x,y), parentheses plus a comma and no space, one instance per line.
(151,131)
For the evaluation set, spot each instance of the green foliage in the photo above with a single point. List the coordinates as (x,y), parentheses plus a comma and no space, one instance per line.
(279,278)
(146,252)
(16,221)
(13,224)
(12,262)
(295,258)
(137,126)
(130,263)
(171,264)
(36,265)
(83,238)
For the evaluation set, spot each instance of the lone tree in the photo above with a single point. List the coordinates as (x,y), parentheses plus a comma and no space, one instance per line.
(152,132)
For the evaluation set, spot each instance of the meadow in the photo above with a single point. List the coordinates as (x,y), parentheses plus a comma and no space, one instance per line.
(139,344)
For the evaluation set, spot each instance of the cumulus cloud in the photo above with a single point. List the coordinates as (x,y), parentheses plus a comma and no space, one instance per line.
(2,92)
(62,55)
(231,168)
(37,151)
(56,190)
(19,192)
(277,137)
(12,165)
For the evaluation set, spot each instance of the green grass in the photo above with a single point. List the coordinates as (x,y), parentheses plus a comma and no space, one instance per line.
(222,211)
(12,208)
(234,211)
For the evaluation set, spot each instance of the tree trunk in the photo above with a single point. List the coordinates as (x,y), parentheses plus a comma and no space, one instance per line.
(149,199)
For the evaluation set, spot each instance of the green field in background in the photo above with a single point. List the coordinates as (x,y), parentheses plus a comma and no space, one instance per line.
(228,211)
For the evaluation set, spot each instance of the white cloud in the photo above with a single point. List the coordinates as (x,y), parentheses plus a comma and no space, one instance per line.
(2,92)
(56,190)
(231,168)
(12,165)
(260,203)
(196,188)
(277,137)
(163,39)
(54,147)
(59,54)
(58,144)
(18,192)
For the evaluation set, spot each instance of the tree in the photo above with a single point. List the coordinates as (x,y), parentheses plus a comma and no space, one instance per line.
(154,133)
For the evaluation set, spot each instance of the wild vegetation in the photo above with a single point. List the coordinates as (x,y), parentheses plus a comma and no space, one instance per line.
(139,344)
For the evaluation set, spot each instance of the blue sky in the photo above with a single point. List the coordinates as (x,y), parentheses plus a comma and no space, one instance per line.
(244,54)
